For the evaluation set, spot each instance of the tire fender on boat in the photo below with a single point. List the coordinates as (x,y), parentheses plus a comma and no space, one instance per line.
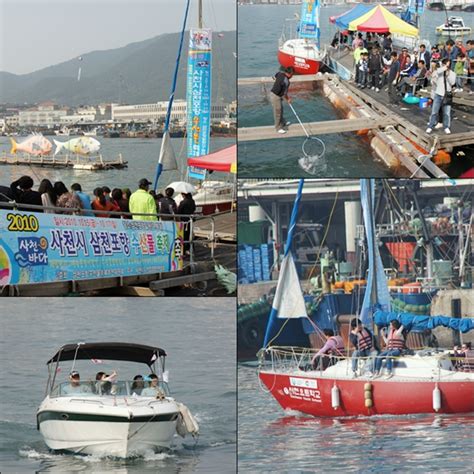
(186,424)
(369,402)
(335,399)
(436,399)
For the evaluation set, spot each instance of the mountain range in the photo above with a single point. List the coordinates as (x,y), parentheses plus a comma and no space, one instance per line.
(138,73)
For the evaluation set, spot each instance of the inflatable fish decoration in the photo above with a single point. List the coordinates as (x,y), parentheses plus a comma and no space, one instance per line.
(81,145)
(35,145)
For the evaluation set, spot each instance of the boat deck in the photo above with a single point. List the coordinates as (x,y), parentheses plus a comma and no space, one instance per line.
(225,227)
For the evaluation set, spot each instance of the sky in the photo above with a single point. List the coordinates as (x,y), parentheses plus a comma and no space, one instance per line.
(38,33)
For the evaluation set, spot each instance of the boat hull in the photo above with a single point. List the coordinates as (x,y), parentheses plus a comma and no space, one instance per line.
(300,64)
(213,207)
(105,437)
(312,395)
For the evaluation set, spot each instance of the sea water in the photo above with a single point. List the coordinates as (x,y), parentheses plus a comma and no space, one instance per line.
(141,153)
(198,335)
(347,155)
(272,440)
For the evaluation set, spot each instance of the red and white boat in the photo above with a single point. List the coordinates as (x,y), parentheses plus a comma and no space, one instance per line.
(420,384)
(302,51)
(427,381)
(302,55)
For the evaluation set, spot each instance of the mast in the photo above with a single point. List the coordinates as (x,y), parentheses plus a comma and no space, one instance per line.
(294,216)
(200,14)
(166,139)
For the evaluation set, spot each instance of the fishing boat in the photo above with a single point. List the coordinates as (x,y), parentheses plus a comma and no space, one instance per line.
(303,51)
(113,418)
(63,132)
(424,381)
(454,26)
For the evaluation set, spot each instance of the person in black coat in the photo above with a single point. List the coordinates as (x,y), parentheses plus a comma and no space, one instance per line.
(186,206)
(22,193)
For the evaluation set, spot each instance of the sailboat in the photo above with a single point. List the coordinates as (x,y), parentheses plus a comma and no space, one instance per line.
(302,52)
(428,381)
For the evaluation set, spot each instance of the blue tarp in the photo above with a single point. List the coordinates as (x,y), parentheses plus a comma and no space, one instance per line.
(420,323)
(354,13)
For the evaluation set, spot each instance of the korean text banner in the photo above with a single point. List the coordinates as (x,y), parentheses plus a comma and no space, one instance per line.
(40,248)
(199,96)
(309,22)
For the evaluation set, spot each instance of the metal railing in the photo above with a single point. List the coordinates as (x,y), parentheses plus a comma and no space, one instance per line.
(187,219)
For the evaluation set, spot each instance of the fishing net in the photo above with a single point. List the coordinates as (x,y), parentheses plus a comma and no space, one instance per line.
(313,149)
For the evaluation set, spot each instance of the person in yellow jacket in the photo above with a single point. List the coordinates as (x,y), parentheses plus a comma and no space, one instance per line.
(142,202)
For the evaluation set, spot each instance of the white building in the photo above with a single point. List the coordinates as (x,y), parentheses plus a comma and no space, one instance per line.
(12,120)
(76,118)
(157,112)
(44,115)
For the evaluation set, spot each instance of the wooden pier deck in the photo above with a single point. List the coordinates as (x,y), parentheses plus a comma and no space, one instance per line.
(397,132)
(314,128)
(95,163)
(225,227)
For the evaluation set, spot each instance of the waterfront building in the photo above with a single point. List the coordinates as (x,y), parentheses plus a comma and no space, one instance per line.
(156,112)
(45,114)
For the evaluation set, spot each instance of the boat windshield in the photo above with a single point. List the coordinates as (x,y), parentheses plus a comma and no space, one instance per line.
(118,388)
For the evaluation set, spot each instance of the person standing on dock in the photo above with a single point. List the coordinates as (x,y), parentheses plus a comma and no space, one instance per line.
(443,81)
(392,79)
(375,69)
(142,202)
(424,55)
(278,93)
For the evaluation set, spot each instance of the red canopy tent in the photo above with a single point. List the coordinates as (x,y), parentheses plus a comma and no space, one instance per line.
(222,160)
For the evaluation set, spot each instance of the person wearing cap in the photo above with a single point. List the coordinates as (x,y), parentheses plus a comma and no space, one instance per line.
(278,93)
(142,202)
(153,388)
(75,386)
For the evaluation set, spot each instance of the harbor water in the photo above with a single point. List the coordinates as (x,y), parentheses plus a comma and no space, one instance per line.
(141,153)
(202,376)
(347,155)
(271,440)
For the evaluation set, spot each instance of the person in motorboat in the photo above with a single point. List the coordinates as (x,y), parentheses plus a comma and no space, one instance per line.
(75,386)
(278,93)
(137,385)
(153,389)
(328,354)
(395,344)
(364,343)
(103,383)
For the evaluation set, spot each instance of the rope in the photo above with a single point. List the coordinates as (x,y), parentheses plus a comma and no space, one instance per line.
(306,163)
(324,237)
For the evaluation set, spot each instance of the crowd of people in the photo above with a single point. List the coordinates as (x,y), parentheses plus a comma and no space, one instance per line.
(447,67)
(143,204)
(366,349)
(104,384)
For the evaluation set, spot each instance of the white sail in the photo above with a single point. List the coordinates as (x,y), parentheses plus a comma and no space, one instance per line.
(289,301)
(167,156)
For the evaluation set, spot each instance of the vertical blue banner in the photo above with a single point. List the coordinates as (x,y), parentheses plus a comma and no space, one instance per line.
(416,6)
(199,96)
(309,22)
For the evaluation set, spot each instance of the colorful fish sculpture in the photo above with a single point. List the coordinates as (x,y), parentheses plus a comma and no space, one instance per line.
(81,145)
(35,145)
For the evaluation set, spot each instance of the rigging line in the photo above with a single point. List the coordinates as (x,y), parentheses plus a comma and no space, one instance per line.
(323,239)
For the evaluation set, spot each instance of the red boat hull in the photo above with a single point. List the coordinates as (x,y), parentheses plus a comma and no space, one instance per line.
(300,65)
(212,208)
(312,395)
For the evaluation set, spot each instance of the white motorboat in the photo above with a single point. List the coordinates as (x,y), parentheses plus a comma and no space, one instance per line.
(214,196)
(118,418)
(453,27)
